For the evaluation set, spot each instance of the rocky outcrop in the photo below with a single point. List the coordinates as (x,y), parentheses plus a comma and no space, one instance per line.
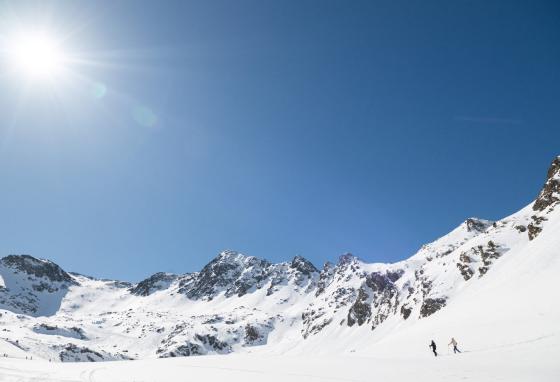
(535,227)
(479,225)
(235,274)
(385,296)
(212,342)
(154,283)
(304,266)
(465,267)
(431,305)
(231,273)
(479,259)
(74,353)
(314,320)
(405,311)
(488,254)
(185,350)
(550,193)
(72,332)
(360,311)
(546,201)
(325,278)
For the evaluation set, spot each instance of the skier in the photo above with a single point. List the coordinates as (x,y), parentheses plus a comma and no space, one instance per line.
(433,346)
(454,343)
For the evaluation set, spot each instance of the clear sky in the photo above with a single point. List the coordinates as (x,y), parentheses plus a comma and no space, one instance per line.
(274,128)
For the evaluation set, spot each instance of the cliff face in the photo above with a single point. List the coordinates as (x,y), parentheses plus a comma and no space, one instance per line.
(546,201)
(550,193)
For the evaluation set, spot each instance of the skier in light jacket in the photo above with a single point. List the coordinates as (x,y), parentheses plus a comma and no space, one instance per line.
(454,343)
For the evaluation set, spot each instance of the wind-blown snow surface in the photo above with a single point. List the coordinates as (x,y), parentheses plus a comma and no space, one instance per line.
(491,285)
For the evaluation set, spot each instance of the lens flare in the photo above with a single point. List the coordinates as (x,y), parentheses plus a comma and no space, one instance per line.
(144,116)
(98,90)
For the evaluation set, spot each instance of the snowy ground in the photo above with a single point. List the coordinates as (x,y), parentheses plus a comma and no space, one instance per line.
(514,362)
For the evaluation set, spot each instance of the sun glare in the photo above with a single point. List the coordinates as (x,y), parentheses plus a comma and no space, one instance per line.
(36,55)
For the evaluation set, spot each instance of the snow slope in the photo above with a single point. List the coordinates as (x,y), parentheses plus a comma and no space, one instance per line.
(491,285)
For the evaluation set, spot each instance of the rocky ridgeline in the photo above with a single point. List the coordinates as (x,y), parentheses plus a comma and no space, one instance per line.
(348,293)
(550,193)
(38,268)
(546,201)
(232,274)
(154,283)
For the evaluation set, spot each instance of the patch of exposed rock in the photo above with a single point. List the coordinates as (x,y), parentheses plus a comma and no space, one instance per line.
(431,305)
(154,283)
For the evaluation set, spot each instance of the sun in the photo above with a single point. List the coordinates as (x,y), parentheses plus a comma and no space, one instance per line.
(36,55)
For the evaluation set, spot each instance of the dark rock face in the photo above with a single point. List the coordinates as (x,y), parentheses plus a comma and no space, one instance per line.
(385,296)
(550,193)
(431,305)
(378,282)
(74,353)
(325,278)
(175,345)
(234,274)
(360,311)
(487,253)
(156,282)
(474,224)
(252,334)
(464,266)
(38,268)
(303,265)
(405,311)
(520,228)
(73,331)
(347,258)
(230,272)
(214,343)
(314,320)
(546,201)
(394,275)
(482,256)
(186,350)
(376,299)
(535,227)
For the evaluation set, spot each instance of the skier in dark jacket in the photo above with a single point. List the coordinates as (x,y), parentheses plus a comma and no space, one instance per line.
(433,346)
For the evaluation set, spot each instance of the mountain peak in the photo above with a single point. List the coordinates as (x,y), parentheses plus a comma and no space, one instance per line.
(550,193)
(231,256)
(347,258)
(303,265)
(37,267)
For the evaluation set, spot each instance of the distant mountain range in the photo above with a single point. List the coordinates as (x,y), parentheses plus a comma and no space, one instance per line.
(237,303)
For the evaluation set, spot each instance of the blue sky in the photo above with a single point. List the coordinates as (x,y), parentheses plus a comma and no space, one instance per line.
(274,128)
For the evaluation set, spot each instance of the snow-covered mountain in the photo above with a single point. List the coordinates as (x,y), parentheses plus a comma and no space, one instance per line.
(239,303)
